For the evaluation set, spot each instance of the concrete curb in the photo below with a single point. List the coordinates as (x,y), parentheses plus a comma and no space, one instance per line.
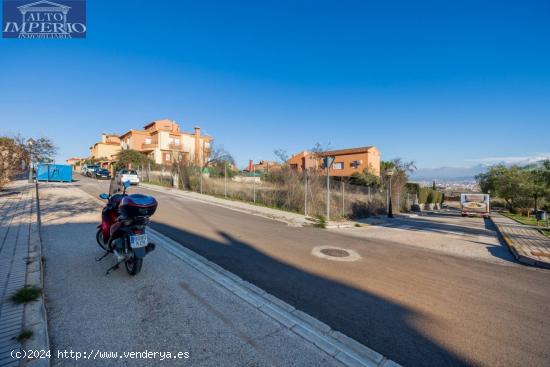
(337,345)
(519,256)
(35,316)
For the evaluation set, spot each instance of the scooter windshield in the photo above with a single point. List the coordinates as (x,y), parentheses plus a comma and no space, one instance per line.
(116,186)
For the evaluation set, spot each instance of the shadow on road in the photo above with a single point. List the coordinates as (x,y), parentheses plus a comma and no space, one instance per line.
(383,325)
(425,224)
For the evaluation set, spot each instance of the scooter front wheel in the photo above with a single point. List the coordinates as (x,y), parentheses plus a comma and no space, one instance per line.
(99,239)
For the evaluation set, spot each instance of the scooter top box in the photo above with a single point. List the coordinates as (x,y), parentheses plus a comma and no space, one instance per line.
(138,205)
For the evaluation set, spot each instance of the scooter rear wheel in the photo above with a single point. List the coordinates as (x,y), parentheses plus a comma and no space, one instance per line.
(133,265)
(99,239)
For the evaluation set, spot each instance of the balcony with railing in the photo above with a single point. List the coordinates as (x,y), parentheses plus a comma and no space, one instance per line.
(149,146)
(173,146)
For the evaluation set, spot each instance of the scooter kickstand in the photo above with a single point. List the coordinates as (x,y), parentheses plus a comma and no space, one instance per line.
(114,267)
(102,256)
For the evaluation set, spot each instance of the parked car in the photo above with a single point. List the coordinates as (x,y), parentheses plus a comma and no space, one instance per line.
(129,175)
(89,169)
(102,174)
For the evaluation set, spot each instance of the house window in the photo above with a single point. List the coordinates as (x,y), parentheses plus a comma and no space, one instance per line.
(355,164)
(177,141)
(167,157)
(338,165)
(147,140)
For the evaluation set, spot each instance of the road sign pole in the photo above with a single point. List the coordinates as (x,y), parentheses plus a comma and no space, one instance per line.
(328,163)
(328,195)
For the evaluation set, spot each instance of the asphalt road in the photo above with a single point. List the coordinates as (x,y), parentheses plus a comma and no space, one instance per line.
(417,306)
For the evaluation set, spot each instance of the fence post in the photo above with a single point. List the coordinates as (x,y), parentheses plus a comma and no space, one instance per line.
(175,179)
(343,200)
(225,179)
(254,182)
(305,192)
(399,201)
(200,177)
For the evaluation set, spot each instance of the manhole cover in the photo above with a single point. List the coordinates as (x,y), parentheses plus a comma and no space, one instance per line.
(335,252)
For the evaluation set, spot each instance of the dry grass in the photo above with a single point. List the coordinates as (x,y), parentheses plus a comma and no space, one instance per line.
(286,191)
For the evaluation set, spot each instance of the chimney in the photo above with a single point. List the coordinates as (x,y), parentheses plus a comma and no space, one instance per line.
(250,165)
(197,146)
(103,137)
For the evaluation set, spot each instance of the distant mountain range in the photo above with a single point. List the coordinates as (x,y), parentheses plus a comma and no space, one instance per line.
(448,173)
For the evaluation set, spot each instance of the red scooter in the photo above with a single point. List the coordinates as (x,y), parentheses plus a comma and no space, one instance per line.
(122,230)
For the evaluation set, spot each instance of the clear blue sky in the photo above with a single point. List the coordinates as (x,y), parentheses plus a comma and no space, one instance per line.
(440,82)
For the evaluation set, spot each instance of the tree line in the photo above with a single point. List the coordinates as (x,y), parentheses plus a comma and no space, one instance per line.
(18,153)
(519,186)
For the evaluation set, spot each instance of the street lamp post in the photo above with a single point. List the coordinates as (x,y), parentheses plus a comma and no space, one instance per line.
(389,174)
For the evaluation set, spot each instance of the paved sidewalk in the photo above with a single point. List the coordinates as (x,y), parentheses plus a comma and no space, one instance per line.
(178,303)
(15,214)
(526,243)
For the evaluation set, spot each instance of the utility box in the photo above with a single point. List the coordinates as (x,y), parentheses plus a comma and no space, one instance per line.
(54,172)
(542,215)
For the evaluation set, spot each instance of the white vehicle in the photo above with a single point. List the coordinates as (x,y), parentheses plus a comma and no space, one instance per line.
(89,169)
(474,204)
(128,175)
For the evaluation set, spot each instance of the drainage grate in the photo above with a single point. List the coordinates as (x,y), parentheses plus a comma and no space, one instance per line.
(335,252)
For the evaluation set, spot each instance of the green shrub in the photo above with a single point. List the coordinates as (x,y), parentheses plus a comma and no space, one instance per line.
(412,188)
(24,335)
(430,197)
(321,222)
(26,294)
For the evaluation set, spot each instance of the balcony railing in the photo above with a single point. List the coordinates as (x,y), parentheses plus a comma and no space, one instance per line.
(150,146)
(173,146)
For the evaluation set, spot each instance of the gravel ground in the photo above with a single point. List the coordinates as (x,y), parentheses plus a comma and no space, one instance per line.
(168,307)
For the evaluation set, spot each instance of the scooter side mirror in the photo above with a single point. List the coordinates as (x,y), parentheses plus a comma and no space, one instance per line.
(104,196)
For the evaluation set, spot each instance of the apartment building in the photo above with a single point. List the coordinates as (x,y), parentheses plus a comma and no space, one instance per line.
(106,149)
(75,163)
(164,143)
(346,161)
(262,166)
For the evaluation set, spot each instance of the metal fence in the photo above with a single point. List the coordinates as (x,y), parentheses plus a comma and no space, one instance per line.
(305,194)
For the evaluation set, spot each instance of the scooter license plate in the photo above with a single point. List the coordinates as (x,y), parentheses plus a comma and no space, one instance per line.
(138,240)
